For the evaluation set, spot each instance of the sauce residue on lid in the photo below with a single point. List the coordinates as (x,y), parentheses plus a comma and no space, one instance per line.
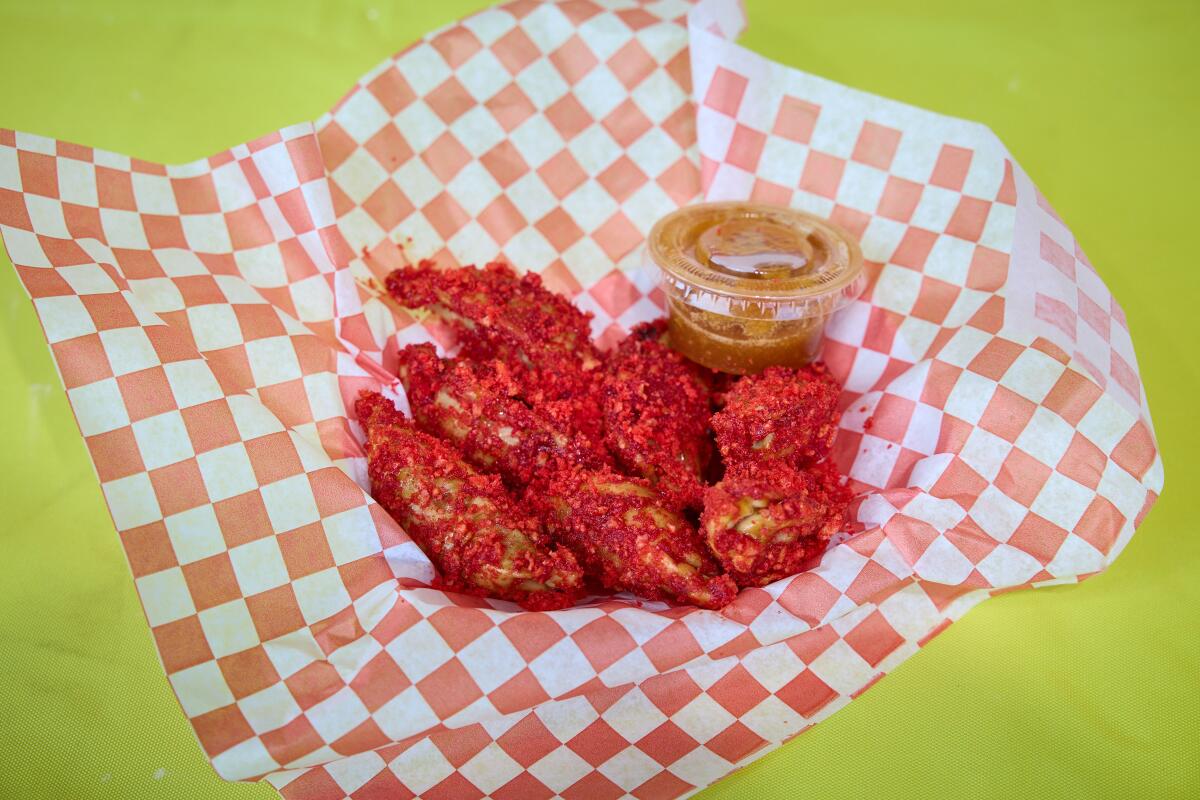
(751,285)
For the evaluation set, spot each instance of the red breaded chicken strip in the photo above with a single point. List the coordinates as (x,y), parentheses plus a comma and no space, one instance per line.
(766,525)
(465,522)
(475,407)
(780,416)
(543,338)
(656,412)
(628,540)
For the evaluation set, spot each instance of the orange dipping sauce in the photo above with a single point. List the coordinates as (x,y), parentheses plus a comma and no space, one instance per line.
(750,285)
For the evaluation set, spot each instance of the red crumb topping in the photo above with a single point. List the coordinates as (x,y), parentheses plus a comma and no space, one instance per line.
(464,521)
(476,407)
(542,337)
(767,524)
(627,539)
(656,411)
(780,415)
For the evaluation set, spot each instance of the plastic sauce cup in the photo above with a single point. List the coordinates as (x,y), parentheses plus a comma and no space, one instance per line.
(749,285)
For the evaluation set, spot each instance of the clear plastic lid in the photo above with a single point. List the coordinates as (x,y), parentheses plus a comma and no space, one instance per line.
(757,261)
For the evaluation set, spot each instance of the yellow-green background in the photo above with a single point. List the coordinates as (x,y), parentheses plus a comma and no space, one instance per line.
(1088,691)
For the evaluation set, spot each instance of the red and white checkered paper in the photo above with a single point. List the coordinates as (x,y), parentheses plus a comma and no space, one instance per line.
(209,328)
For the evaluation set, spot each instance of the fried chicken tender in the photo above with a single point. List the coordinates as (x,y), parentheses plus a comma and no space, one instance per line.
(781,416)
(628,540)
(656,411)
(543,338)
(465,522)
(476,407)
(766,525)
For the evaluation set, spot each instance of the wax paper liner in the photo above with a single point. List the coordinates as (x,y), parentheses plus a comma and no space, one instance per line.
(210,323)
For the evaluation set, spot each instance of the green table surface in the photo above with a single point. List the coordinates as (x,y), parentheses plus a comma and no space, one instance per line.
(1082,691)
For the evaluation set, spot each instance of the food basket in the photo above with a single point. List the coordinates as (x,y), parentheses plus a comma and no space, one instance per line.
(212,323)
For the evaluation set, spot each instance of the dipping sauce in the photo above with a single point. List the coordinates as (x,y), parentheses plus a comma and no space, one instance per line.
(750,285)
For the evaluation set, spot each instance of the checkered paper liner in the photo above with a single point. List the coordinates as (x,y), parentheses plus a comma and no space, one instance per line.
(211,327)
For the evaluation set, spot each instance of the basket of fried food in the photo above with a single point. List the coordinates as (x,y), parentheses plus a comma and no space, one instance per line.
(537,469)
